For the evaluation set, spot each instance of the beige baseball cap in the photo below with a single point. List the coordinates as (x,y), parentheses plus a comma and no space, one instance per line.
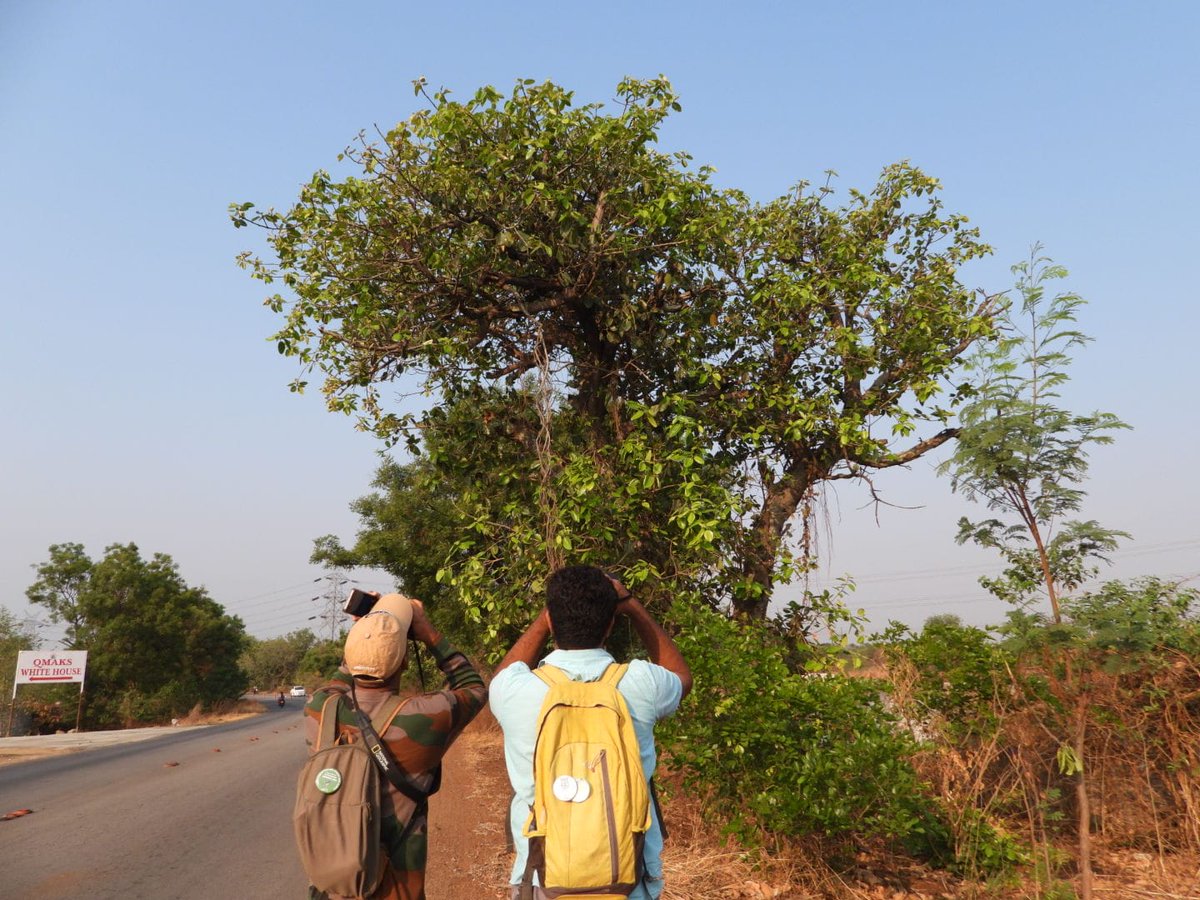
(376,643)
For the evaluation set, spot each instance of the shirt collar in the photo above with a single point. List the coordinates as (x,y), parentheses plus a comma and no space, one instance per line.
(577,657)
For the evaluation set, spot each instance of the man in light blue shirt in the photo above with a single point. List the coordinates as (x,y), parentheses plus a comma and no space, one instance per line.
(582,604)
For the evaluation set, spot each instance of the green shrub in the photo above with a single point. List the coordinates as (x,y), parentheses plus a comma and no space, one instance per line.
(957,668)
(796,753)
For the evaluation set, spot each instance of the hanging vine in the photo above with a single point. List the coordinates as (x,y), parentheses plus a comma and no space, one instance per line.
(547,493)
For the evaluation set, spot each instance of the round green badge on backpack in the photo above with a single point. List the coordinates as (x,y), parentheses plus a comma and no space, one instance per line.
(328,780)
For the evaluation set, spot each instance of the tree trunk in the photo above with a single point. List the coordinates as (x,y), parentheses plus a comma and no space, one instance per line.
(1043,558)
(1083,801)
(766,535)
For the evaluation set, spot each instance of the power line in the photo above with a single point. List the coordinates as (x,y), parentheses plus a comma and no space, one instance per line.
(281,590)
(283,605)
(950,571)
(958,598)
(1168,547)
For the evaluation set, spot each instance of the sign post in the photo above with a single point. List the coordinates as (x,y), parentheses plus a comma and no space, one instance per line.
(49,667)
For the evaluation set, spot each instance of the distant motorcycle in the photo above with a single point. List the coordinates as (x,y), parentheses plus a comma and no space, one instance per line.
(282,700)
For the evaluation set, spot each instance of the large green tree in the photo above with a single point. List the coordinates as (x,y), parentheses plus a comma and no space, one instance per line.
(835,352)
(636,333)
(156,646)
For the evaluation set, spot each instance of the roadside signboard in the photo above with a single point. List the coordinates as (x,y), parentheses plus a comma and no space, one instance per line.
(49,667)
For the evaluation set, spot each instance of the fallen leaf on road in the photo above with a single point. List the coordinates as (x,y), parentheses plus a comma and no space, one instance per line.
(15,814)
(169,765)
(216,749)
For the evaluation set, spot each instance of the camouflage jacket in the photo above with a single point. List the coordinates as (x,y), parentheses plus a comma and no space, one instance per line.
(419,735)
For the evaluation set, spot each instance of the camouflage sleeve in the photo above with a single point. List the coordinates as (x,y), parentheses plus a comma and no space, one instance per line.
(456,667)
(467,693)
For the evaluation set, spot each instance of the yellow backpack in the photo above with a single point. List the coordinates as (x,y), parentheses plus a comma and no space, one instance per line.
(591,806)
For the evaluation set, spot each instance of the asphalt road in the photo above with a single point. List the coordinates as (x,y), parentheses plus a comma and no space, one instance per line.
(121,822)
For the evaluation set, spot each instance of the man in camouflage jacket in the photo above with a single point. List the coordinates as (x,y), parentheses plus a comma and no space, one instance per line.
(419,734)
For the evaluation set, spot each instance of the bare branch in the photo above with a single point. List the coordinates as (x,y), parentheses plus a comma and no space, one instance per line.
(916,451)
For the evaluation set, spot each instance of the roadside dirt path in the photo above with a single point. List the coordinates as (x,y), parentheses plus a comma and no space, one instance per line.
(468,859)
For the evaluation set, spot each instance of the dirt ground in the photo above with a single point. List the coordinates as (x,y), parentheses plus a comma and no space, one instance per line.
(467,852)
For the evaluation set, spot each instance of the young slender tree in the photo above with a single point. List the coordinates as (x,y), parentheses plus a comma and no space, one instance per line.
(1026,457)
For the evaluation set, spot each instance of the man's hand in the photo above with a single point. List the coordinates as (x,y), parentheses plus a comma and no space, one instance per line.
(421,628)
(629,605)
(623,593)
(659,646)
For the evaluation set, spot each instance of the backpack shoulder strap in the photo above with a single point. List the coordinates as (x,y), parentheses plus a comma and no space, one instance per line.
(552,675)
(369,730)
(327,728)
(382,719)
(614,673)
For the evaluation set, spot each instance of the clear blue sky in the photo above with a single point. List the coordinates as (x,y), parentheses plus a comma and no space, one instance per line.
(142,402)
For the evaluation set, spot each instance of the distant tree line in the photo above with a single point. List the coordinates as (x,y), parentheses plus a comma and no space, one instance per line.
(156,646)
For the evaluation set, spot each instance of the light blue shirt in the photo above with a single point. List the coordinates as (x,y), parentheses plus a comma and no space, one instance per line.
(516,694)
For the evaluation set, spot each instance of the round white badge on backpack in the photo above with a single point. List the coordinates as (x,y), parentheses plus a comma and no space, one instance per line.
(565,788)
(582,792)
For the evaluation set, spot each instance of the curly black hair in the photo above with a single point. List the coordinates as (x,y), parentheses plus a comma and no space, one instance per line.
(582,603)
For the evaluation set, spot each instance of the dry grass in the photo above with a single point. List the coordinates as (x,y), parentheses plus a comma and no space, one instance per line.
(1142,760)
(11,755)
(224,711)
(699,864)
(702,863)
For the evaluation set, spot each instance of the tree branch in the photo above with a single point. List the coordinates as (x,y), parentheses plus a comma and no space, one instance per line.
(916,451)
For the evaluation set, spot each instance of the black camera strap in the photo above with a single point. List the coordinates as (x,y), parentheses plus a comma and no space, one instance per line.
(392,770)
(415,650)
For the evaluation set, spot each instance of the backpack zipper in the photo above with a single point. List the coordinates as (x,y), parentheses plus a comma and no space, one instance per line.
(610,814)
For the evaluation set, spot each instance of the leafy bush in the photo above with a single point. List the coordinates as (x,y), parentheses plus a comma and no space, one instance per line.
(795,753)
(1139,618)
(956,671)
